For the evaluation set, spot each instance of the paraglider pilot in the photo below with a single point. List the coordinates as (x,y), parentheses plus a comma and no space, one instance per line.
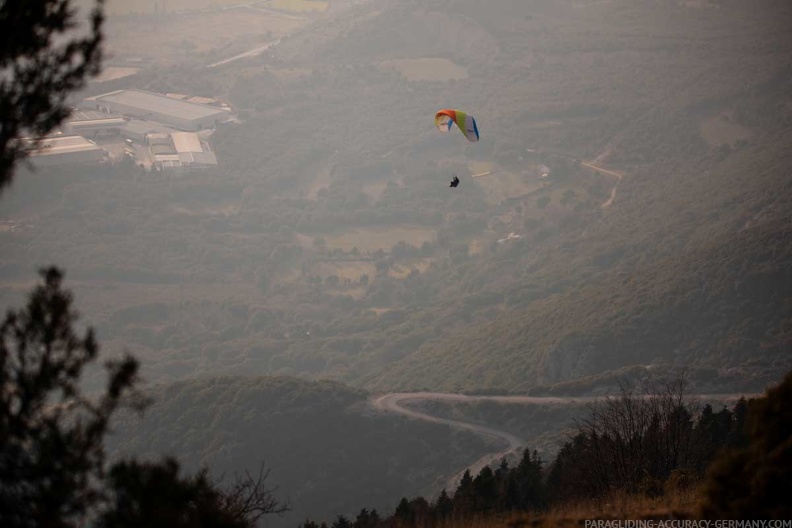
(455,181)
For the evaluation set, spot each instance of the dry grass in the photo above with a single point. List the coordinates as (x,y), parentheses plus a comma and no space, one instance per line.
(677,504)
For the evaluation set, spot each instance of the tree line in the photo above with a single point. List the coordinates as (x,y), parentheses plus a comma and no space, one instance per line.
(645,440)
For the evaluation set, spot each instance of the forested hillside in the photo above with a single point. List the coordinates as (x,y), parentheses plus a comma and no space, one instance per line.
(328,244)
(326,452)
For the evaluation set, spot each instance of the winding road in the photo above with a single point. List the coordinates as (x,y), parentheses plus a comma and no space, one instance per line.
(616,174)
(394,403)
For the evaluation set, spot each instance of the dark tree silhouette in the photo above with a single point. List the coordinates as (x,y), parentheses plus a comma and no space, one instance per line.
(154,495)
(45,56)
(755,482)
(249,498)
(51,435)
(53,469)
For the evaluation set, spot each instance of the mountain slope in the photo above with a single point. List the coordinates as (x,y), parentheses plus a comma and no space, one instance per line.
(700,276)
(327,451)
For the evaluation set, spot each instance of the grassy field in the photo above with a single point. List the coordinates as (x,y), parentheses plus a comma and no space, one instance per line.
(112,73)
(501,185)
(720,130)
(344,270)
(298,6)
(125,7)
(372,239)
(428,69)
(183,37)
(404,268)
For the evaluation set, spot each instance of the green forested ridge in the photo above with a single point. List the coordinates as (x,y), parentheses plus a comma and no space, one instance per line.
(653,443)
(326,243)
(326,453)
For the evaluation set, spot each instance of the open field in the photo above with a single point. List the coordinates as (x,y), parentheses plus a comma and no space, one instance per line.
(720,130)
(372,239)
(403,268)
(184,36)
(375,189)
(298,6)
(101,298)
(111,73)
(501,185)
(380,238)
(344,269)
(428,69)
(126,7)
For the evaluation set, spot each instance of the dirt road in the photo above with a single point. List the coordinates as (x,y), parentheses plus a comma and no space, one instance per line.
(615,174)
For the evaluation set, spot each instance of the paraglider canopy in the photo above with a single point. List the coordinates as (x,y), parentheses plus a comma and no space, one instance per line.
(446,118)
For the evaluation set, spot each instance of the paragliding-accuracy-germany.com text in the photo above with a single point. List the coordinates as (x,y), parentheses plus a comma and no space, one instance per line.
(687,523)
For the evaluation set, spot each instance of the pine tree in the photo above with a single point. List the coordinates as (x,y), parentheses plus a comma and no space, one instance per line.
(51,435)
(464,497)
(443,506)
(756,482)
(485,490)
(52,461)
(154,495)
(341,522)
(43,62)
(404,514)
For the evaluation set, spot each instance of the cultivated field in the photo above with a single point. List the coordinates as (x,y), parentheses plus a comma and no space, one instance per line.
(371,239)
(182,37)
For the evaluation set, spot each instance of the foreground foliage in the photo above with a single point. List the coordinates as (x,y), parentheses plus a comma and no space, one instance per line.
(53,465)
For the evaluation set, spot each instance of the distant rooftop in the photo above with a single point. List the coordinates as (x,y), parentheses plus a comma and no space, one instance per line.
(61,144)
(159,104)
(138,126)
(92,115)
(186,142)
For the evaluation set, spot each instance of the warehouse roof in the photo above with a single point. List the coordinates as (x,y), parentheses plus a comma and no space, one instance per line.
(62,144)
(160,104)
(81,116)
(138,126)
(186,142)
(190,149)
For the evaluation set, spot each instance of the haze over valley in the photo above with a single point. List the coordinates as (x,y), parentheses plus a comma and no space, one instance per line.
(626,213)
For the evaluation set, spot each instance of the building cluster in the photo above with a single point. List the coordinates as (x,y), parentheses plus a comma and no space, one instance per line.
(160,131)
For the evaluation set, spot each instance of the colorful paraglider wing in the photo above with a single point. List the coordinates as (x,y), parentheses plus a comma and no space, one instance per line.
(444,120)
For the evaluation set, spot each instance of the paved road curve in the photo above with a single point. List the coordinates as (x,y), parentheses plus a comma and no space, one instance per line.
(394,403)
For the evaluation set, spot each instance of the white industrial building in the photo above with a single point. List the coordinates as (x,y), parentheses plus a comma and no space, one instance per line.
(180,150)
(91,123)
(192,152)
(138,130)
(59,150)
(184,115)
